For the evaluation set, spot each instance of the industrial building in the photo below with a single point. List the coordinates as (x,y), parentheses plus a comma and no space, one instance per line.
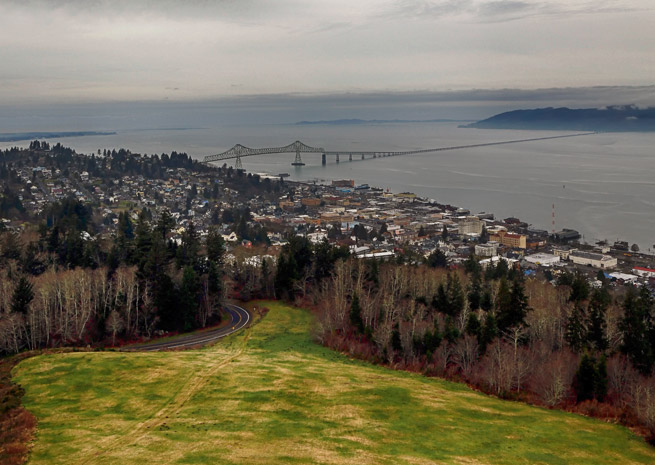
(596,260)
(566,235)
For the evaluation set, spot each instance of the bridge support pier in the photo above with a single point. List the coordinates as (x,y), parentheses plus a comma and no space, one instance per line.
(350,157)
(363,157)
(298,161)
(323,159)
(337,158)
(375,155)
(237,164)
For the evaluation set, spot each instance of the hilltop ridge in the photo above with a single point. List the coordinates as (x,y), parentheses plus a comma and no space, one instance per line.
(621,118)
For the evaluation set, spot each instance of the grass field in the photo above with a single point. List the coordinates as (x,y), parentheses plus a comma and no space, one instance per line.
(270,395)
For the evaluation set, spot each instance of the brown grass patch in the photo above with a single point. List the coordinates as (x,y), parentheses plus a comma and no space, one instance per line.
(17,425)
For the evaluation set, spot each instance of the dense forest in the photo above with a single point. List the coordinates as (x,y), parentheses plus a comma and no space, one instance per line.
(59,289)
(565,346)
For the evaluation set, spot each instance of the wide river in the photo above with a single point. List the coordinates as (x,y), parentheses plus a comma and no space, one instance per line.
(602,185)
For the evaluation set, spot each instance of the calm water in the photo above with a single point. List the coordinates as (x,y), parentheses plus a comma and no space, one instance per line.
(602,185)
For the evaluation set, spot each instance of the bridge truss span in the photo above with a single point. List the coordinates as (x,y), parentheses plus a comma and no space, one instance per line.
(298,147)
(239,151)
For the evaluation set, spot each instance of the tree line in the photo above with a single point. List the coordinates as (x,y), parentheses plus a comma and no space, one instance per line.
(565,346)
(62,288)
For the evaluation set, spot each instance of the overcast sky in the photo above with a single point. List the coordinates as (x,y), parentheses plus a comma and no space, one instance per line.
(129,50)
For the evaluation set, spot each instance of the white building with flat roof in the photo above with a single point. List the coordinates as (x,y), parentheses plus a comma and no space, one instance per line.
(644,272)
(627,278)
(543,259)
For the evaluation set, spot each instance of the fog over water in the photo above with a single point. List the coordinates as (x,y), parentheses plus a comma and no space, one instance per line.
(602,185)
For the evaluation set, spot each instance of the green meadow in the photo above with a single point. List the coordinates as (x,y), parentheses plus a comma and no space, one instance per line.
(270,395)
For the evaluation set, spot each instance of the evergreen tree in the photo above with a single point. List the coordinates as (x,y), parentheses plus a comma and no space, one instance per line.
(285,276)
(473,325)
(323,260)
(356,314)
(373,271)
(440,300)
(501,270)
(143,239)
(432,340)
(187,253)
(165,223)
(597,325)
(579,288)
(265,279)
(444,234)
(437,259)
(490,272)
(11,246)
(215,281)
(125,228)
(576,330)
(637,329)
(396,345)
(591,379)
(124,237)
(513,311)
(503,298)
(456,298)
(600,386)
(22,297)
(53,239)
(475,295)
(215,245)
(166,303)
(472,266)
(585,379)
(189,297)
(486,301)
(451,332)
(489,331)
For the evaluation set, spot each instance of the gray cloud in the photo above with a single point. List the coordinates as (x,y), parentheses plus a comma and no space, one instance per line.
(506,10)
(102,50)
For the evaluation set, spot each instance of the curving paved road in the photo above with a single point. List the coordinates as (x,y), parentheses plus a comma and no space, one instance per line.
(240,318)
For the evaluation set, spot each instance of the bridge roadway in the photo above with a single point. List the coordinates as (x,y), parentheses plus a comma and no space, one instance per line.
(239,151)
(239,318)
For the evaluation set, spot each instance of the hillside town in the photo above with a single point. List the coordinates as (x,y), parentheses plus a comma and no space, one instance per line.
(371,222)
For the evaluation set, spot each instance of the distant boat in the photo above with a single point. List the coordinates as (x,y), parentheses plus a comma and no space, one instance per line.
(362,187)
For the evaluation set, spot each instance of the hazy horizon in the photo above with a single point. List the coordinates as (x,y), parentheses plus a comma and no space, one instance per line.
(290,108)
(75,51)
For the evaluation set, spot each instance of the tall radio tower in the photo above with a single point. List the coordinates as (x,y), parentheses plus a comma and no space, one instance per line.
(553,218)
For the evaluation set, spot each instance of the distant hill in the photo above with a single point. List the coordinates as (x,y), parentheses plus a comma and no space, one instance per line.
(611,119)
(348,122)
(17,136)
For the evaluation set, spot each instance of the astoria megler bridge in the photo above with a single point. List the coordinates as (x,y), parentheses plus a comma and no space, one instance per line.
(239,151)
